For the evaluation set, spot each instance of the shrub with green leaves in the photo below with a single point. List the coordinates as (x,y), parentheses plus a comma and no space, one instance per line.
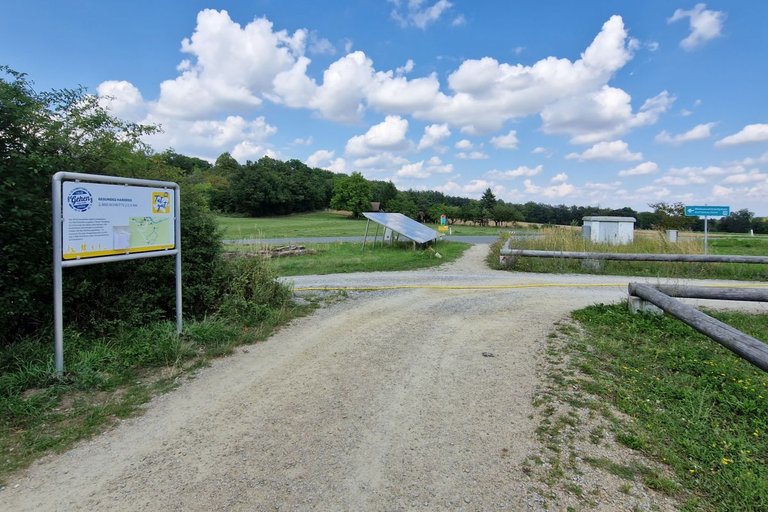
(43,133)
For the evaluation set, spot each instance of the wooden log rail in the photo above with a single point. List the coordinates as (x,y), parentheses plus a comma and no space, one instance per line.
(619,256)
(743,345)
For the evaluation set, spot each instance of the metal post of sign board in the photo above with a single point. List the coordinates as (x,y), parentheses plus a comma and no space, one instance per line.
(59,262)
(706,218)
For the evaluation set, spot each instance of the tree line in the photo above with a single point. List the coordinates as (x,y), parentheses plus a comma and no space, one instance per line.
(272,187)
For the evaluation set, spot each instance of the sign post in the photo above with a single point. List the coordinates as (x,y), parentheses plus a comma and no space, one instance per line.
(101,219)
(706,212)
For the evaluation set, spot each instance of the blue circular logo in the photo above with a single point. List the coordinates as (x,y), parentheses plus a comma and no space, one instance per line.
(79,199)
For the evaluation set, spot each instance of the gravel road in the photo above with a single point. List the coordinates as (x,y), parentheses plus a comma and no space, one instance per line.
(412,398)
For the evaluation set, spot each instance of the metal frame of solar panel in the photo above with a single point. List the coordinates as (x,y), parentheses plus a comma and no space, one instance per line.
(401,224)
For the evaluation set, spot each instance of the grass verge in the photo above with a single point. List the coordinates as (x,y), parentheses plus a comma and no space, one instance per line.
(108,378)
(688,403)
(567,240)
(350,257)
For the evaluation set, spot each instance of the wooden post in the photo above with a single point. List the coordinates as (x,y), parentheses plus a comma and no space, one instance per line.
(745,346)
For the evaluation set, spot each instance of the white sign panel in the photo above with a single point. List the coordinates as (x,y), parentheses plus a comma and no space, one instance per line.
(104,220)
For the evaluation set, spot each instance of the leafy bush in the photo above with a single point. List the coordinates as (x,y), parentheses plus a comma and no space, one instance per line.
(253,292)
(43,133)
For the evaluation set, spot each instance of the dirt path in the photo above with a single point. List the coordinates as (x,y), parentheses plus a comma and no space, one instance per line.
(392,400)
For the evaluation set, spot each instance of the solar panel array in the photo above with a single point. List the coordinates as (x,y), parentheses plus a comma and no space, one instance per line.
(406,226)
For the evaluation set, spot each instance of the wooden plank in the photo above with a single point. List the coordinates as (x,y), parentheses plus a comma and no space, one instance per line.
(745,346)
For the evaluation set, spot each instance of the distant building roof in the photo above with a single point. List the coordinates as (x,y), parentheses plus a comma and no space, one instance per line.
(602,218)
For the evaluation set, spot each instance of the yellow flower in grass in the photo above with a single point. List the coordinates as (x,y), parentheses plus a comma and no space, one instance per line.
(726,461)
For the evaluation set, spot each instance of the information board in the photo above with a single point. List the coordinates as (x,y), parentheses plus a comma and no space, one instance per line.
(707,211)
(102,219)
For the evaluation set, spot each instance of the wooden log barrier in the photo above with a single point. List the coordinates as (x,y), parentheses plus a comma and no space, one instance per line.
(743,345)
(619,256)
(714,293)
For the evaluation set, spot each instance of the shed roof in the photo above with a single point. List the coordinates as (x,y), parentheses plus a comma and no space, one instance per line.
(601,218)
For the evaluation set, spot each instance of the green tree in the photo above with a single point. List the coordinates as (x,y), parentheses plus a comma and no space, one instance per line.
(672,216)
(352,193)
(737,222)
(42,133)
(503,212)
(488,201)
(402,203)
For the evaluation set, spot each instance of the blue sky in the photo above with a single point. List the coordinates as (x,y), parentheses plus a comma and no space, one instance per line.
(603,103)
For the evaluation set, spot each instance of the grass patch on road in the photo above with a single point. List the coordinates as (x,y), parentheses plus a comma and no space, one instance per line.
(568,240)
(350,257)
(694,406)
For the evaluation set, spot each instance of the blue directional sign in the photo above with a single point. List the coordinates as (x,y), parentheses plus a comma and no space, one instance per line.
(707,211)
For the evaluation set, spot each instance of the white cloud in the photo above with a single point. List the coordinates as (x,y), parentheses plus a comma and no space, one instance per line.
(750,133)
(680,181)
(388,135)
(705,25)
(712,170)
(508,141)
(231,66)
(559,178)
(123,99)
(698,132)
(555,191)
(640,169)
(654,191)
(602,187)
(246,150)
(325,159)
(602,114)
(720,191)
(436,166)
(320,45)
(213,137)
(471,155)
(380,162)
(487,93)
(614,150)
(414,170)
(416,14)
(750,161)
(516,173)
(459,21)
(304,142)
(407,68)
(477,186)
(424,169)
(464,144)
(433,135)
(746,177)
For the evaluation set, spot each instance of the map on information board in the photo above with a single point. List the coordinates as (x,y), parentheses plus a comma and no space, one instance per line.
(103,220)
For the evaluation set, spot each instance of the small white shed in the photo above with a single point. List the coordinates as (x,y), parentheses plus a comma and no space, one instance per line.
(609,230)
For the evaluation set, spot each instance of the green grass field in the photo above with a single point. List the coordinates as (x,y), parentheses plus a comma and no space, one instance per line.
(694,406)
(350,257)
(315,224)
